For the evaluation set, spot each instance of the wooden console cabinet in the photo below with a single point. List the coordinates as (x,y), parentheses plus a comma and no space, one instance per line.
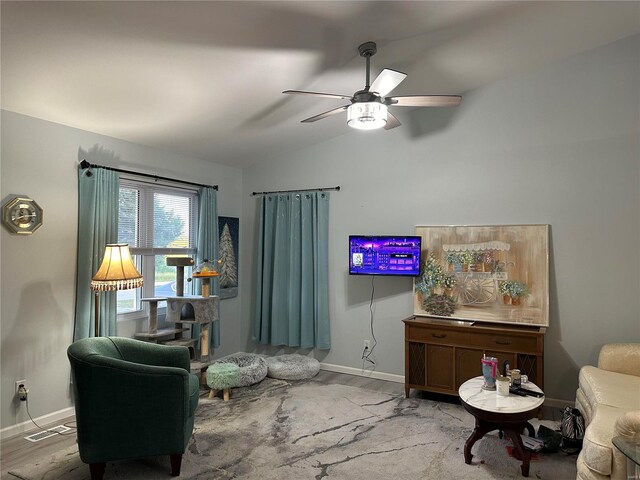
(440,355)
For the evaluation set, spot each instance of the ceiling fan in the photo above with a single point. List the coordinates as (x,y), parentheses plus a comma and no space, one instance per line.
(368,108)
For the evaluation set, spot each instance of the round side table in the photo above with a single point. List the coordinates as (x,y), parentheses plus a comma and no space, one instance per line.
(509,414)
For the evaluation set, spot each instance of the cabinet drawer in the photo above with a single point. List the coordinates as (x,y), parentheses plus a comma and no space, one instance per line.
(437,336)
(475,339)
(507,343)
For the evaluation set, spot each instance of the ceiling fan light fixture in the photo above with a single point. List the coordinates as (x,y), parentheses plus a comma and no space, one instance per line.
(367,115)
(368,109)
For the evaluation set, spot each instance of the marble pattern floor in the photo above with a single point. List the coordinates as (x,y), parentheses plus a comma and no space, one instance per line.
(323,429)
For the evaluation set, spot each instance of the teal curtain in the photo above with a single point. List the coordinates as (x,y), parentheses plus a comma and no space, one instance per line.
(208,249)
(98,193)
(292,290)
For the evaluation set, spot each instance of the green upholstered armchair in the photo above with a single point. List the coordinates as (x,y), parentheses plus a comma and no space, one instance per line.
(133,399)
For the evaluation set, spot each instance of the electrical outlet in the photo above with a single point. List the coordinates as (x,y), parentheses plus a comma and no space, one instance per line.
(366,345)
(20,382)
(21,389)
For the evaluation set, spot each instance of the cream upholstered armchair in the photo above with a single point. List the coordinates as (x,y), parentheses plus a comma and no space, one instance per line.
(609,398)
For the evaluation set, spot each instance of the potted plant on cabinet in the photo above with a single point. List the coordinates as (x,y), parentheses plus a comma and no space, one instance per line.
(466,259)
(440,305)
(478,260)
(517,291)
(448,283)
(488,261)
(505,290)
(431,277)
(452,260)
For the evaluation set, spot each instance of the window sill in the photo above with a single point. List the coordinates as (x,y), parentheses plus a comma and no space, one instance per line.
(140,315)
(132,316)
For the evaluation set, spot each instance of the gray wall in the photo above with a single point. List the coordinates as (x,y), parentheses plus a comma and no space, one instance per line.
(558,146)
(40,159)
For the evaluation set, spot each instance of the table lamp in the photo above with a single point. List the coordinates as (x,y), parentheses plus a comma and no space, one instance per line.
(117,272)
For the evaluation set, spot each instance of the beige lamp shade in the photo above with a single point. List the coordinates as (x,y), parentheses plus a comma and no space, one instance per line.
(117,271)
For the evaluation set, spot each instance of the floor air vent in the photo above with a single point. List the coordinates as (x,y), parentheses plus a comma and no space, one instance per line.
(36,437)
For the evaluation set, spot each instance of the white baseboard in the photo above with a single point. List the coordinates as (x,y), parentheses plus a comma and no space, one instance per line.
(558,403)
(47,419)
(391,377)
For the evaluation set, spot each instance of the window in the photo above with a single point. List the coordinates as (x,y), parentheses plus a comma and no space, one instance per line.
(156,221)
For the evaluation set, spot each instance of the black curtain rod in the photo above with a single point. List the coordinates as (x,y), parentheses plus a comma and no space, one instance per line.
(322,189)
(84,164)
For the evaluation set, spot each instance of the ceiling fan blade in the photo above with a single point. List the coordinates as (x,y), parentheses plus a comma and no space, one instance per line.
(387,81)
(425,101)
(325,114)
(317,94)
(392,122)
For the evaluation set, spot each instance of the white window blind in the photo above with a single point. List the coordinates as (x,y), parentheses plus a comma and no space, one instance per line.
(156,221)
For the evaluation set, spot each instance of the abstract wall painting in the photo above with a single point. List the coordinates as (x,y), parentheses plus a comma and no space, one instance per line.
(228,228)
(489,273)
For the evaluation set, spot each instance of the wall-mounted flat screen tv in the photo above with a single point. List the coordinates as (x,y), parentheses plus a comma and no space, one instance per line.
(384,255)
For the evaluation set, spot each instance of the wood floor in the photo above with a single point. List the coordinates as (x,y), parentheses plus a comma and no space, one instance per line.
(17,451)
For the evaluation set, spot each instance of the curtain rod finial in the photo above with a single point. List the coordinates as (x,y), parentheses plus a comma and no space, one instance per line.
(84,164)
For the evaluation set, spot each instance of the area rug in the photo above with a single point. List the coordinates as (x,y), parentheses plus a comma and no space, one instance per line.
(312,430)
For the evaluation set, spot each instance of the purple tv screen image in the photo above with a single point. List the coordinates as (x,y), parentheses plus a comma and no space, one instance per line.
(384,255)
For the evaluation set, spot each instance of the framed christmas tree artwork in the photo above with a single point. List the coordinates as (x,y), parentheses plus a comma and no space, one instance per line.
(228,228)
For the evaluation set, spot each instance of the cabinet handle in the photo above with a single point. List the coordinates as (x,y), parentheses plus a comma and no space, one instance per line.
(503,342)
(438,335)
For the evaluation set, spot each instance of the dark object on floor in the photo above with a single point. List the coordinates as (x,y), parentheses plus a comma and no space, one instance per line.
(133,399)
(572,425)
(550,438)
(572,428)
(531,443)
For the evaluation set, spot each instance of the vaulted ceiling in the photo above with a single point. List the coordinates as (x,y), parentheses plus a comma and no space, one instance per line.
(205,78)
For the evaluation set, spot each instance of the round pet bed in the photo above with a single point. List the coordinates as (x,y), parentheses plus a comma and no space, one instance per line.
(292,367)
(253,368)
